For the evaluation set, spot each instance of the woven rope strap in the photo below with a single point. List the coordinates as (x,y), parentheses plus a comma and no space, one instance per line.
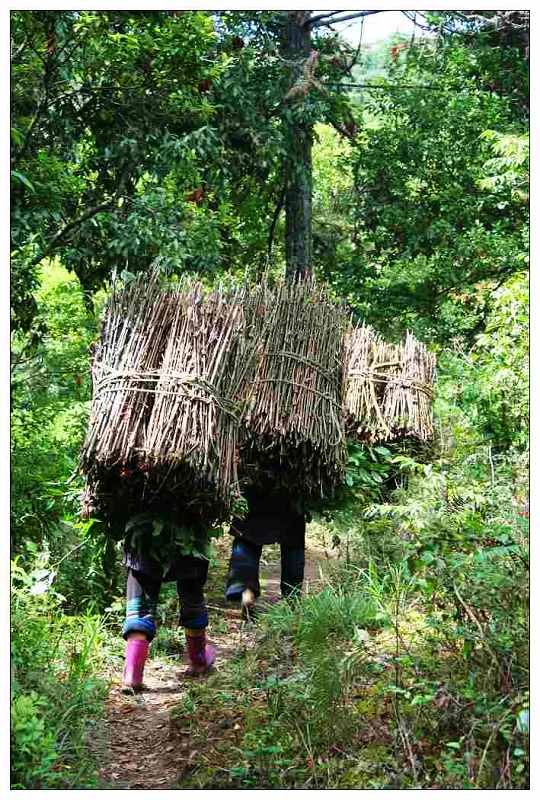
(379,377)
(182,383)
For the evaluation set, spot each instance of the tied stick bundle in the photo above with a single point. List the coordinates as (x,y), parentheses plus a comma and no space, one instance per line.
(127,361)
(363,391)
(194,421)
(389,387)
(163,430)
(386,367)
(293,420)
(407,401)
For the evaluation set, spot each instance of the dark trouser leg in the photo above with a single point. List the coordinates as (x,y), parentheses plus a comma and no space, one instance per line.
(193,611)
(292,563)
(243,568)
(142,599)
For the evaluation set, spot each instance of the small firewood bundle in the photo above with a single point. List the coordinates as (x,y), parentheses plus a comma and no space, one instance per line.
(364,387)
(164,421)
(389,387)
(292,423)
(408,394)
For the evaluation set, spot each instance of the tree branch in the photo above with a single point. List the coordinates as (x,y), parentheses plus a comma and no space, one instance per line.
(356,56)
(326,15)
(277,212)
(91,212)
(325,19)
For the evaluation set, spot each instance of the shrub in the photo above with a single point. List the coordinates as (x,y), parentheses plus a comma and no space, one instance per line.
(56,692)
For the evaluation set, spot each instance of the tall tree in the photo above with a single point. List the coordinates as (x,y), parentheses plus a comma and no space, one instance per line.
(138,134)
(299,138)
(438,193)
(303,63)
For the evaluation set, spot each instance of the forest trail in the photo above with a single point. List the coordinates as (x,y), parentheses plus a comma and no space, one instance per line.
(138,747)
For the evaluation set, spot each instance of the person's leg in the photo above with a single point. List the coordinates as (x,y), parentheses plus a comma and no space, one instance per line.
(243,569)
(139,626)
(243,578)
(142,599)
(293,561)
(193,612)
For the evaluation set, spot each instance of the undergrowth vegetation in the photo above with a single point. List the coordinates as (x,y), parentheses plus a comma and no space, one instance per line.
(408,669)
(57,692)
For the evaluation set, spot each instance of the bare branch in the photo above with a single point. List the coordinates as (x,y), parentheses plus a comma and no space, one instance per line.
(326,15)
(334,20)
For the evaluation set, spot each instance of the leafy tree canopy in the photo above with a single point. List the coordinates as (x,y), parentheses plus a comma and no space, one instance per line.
(436,215)
(145,134)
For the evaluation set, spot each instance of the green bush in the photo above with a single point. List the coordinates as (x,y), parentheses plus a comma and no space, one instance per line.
(56,693)
(33,748)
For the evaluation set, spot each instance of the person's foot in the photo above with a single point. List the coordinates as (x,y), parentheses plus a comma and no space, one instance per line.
(135,659)
(248,605)
(201,655)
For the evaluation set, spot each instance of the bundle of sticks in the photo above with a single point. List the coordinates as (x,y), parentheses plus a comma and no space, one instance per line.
(389,387)
(408,394)
(292,423)
(164,419)
(197,393)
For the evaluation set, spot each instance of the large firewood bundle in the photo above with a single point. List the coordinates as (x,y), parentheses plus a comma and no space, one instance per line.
(292,423)
(164,420)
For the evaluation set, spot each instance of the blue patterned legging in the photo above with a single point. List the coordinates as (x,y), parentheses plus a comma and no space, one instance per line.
(244,568)
(143,595)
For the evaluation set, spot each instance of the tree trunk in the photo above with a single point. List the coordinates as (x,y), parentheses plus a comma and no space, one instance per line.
(299,137)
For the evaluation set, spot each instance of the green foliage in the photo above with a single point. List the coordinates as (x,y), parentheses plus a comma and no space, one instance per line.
(137,134)
(109,130)
(56,696)
(50,405)
(162,537)
(439,190)
(500,366)
(49,409)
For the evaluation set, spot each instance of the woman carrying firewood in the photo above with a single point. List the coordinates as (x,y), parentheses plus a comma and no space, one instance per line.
(144,579)
(272,517)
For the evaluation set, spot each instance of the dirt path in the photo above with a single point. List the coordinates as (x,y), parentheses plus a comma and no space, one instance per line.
(138,748)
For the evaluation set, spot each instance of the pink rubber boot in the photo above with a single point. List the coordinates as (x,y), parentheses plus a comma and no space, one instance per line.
(201,655)
(136,655)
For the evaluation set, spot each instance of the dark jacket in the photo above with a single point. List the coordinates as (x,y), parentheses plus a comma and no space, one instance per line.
(272,517)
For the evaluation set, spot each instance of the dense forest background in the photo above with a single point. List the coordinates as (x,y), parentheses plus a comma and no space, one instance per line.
(144,135)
